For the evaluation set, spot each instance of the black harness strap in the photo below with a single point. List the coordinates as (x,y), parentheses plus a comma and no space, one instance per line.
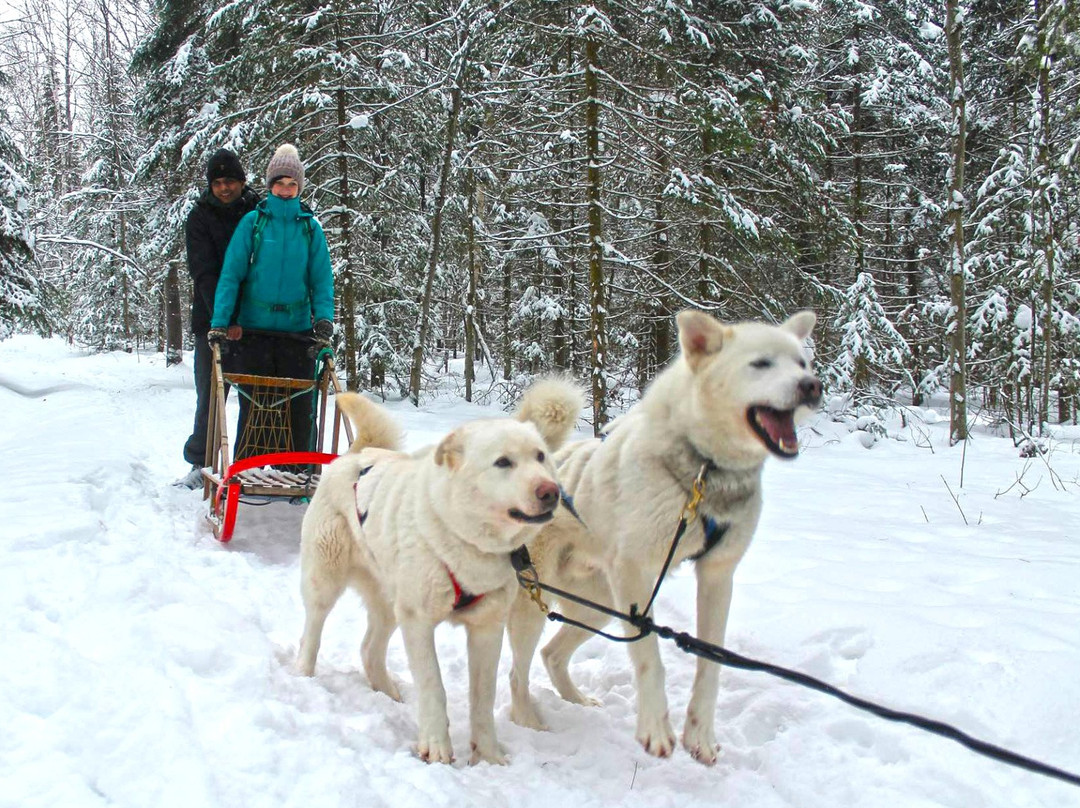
(361,515)
(714,534)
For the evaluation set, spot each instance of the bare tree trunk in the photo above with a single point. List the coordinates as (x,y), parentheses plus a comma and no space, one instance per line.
(705,241)
(174,324)
(1046,213)
(661,258)
(347,308)
(436,232)
(597,285)
(957,286)
(504,316)
(560,339)
(472,296)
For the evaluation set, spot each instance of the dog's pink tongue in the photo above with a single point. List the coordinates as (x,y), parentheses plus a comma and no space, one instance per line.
(781,428)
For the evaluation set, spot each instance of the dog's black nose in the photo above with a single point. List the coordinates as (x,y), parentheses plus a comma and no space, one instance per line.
(547,494)
(810,390)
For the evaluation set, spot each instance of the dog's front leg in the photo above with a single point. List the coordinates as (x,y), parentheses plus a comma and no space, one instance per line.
(484,643)
(433,742)
(654,730)
(714,583)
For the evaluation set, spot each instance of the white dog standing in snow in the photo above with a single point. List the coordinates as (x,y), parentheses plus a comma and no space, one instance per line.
(427,537)
(719,410)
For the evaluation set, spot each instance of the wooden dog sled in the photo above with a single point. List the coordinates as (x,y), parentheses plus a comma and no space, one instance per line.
(264,472)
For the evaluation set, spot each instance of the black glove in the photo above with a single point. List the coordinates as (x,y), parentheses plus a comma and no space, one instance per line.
(324,332)
(216,336)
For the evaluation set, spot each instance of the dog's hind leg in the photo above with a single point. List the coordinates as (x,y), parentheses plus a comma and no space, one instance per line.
(380,626)
(525,626)
(568,639)
(714,584)
(320,592)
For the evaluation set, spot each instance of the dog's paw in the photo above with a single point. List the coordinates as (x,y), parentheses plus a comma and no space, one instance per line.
(583,700)
(525,714)
(656,736)
(388,687)
(435,749)
(699,742)
(488,753)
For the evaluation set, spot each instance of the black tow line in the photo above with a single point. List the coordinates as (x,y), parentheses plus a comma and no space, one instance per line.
(529,580)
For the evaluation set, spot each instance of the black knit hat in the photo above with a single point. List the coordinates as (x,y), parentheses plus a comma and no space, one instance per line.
(224,163)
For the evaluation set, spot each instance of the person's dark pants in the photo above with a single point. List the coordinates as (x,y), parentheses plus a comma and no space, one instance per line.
(268,355)
(195,448)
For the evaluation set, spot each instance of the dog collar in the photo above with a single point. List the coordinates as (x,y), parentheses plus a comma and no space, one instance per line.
(462,599)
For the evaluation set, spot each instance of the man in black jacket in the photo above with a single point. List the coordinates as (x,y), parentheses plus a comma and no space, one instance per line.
(210,225)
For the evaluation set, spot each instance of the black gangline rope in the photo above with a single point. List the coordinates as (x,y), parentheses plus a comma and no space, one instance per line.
(530,581)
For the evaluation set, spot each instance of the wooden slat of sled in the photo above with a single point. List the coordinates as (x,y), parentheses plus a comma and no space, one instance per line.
(272,482)
(269,381)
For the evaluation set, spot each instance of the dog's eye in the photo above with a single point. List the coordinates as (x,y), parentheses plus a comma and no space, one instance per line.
(761,364)
(539,457)
(802,364)
(503,463)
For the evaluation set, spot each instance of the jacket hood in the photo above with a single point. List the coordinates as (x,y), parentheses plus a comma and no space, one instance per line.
(276,206)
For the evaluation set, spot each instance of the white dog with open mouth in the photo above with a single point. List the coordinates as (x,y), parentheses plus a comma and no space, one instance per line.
(718,411)
(427,537)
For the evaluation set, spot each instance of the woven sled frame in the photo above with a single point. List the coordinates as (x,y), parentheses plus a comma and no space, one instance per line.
(269,424)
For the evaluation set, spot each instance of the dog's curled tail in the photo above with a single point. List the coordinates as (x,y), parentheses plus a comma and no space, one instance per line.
(372,425)
(553,405)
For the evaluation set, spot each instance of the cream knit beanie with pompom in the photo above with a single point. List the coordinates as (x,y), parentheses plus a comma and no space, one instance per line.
(285,163)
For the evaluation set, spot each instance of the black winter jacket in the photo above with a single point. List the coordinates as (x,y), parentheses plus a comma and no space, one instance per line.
(210,225)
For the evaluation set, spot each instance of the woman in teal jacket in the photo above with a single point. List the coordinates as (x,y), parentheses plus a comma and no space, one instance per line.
(274,303)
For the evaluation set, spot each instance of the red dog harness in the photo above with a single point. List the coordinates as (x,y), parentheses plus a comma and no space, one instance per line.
(462,599)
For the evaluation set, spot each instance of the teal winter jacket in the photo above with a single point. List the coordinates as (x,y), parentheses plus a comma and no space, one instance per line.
(288,284)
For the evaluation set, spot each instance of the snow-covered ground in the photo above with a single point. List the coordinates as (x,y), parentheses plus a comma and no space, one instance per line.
(144,664)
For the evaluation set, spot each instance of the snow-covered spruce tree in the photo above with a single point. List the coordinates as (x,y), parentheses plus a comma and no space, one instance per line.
(174,94)
(884,67)
(697,166)
(1024,248)
(347,84)
(21,300)
(873,354)
(43,49)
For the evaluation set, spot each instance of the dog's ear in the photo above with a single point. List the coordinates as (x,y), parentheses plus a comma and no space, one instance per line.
(700,335)
(801,323)
(450,451)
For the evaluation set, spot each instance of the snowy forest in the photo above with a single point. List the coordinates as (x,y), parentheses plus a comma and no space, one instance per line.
(542,184)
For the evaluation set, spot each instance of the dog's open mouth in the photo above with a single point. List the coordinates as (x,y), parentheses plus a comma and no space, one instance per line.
(538,519)
(776,428)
